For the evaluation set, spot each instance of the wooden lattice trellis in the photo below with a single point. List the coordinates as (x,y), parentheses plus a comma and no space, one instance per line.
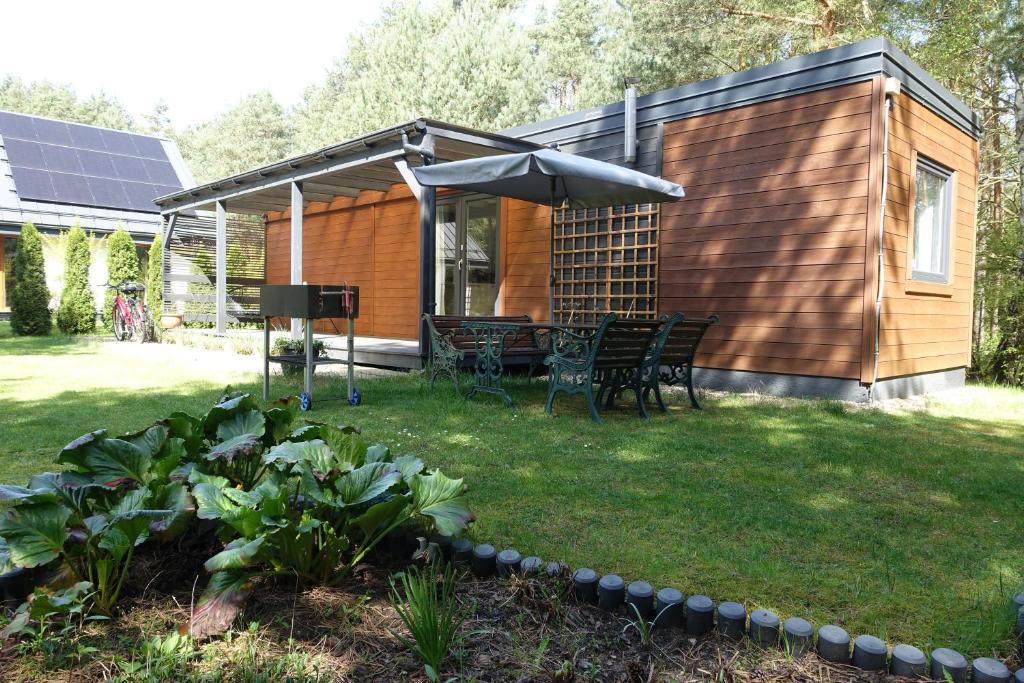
(606,260)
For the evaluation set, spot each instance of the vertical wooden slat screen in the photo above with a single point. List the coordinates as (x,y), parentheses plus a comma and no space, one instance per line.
(189,272)
(606,261)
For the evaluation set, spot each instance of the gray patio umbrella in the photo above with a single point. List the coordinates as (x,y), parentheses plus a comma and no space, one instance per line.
(546,176)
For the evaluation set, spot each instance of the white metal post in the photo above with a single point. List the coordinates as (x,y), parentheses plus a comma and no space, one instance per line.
(296,248)
(221,273)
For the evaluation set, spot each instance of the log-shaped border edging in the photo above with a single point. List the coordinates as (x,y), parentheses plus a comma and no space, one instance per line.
(669,608)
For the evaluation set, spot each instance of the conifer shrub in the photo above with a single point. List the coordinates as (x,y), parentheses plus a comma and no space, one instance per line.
(155,278)
(122,266)
(30,300)
(77,311)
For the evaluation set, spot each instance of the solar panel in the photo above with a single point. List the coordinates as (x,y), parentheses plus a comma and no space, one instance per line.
(71,163)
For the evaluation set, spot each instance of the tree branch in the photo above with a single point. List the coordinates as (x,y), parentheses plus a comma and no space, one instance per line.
(737,12)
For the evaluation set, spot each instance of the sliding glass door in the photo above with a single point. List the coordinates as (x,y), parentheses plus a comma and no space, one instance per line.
(467,256)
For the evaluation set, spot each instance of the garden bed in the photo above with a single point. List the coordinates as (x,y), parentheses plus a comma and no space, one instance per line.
(518,629)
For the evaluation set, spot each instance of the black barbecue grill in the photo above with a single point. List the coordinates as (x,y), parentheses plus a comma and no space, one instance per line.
(309,303)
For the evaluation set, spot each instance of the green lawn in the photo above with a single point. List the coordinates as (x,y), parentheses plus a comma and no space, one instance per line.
(905,525)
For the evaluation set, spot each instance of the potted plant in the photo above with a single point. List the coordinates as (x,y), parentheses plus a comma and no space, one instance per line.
(296,347)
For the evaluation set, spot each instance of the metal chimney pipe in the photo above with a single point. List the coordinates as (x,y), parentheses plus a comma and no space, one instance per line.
(629,151)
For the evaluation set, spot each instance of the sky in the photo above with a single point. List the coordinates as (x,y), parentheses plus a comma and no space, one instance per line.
(200,57)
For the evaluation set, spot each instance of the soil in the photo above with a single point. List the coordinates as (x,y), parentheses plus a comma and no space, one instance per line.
(519,630)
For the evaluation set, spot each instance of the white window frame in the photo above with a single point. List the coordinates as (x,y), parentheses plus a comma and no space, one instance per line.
(946,223)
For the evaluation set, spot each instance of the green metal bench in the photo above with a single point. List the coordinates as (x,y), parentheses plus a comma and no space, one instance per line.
(611,357)
(671,359)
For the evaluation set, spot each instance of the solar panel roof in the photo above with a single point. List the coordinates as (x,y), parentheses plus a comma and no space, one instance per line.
(71,163)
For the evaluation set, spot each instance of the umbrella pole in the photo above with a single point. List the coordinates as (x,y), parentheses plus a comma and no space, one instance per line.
(551,255)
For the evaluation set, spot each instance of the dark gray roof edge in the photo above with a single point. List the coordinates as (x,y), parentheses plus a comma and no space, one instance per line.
(837,66)
(923,87)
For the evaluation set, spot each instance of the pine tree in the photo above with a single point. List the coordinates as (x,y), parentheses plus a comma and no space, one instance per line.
(77,311)
(155,278)
(122,266)
(30,312)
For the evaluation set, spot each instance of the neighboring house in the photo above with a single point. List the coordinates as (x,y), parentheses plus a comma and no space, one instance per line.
(56,173)
(805,181)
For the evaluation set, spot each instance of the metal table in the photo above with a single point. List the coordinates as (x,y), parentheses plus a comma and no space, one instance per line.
(491,339)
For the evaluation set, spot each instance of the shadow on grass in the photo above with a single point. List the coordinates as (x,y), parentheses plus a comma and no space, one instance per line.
(903,525)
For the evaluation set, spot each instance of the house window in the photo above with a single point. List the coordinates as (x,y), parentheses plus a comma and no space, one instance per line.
(932,218)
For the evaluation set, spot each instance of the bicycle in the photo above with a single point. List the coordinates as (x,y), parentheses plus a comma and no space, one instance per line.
(130,315)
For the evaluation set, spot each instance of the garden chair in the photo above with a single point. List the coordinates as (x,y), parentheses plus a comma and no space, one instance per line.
(444,357)
(611,357)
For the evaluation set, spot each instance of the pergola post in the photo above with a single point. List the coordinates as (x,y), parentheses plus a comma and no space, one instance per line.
(296,248)
(165,257)
(428,247)
(221,273)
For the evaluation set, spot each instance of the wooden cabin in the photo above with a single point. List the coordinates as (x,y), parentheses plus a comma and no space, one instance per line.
(805,180)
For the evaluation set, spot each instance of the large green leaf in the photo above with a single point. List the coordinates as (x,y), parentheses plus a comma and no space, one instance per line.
(5,557)
(149,440)
(280,417)
(366,482)
(132,516)
(22,494)
(176,498)
(35,533)
(227,409)
(346,443)
(238,554)
(409,466)
(314,456)
(378,452)
(211,503)
(74,453)
(170,457)
(441,498)
(237,447)
(116,541)
(219,604)
(249,423)
(380,514)
(187,428)
(113,461)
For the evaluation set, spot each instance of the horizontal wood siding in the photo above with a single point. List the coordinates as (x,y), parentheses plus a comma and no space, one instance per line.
(927,328)
(526,260)
(371,242)
(771,235)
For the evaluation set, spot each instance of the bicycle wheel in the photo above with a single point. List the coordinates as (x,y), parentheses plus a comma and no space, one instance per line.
(121,331)
(140,322)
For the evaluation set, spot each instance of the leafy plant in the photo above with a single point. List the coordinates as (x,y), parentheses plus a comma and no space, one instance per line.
(427,607)
(230,439)
(90,520)
(328,500)
(643,628)
(77,311)
(296,347)
(30,299)
(51,619)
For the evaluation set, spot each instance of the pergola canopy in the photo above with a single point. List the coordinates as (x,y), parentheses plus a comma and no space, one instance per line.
(342,170)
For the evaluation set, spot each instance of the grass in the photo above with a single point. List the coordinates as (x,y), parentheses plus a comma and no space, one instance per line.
(906,525)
